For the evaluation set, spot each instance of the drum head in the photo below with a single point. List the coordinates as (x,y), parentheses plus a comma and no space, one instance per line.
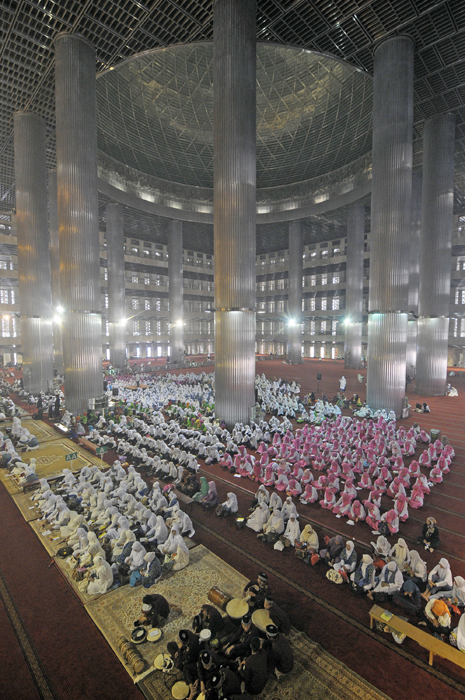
(180,690)
(154,635)
(205,635)
(237,608)
(139,635)
(261,619)
(160,661)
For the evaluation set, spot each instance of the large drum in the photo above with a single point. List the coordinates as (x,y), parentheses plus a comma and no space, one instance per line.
(180,690)
(237,608)
(261,619)
(218,597)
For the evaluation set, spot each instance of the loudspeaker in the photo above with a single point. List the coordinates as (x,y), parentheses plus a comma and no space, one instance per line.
(114,391)
(318,377)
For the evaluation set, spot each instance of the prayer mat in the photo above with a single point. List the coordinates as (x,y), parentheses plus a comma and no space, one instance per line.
(316,676)
(42,431)
(26,507)
(9,482)
(67,574)
(51,542)
(185,590)
(50,458)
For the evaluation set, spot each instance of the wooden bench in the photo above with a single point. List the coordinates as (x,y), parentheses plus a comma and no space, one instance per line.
(88,445)
(435,647)
(183,498)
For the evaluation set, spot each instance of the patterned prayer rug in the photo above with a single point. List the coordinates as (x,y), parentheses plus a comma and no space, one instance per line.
(316,676)
(186,591)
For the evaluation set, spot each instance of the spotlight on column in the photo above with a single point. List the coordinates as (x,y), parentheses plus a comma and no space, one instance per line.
(57,318)
(292,322)
(179,322)
(60,310)
(347,320)
(123,321)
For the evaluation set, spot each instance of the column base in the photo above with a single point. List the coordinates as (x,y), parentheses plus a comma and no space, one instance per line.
(387,340)
(432,343)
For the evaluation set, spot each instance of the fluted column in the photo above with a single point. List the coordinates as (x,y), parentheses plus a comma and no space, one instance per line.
(116,286)
(414,276)
(176,311)
(234,185)
(435,254)
(354,286)
(390,223)
(55,267)
(296,253)
(33,257)
(76,150)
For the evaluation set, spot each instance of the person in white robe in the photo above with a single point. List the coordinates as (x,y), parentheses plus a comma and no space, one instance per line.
(400,554)
(135,560)
(258,518)
(101,578)
(389,581)
(292,532)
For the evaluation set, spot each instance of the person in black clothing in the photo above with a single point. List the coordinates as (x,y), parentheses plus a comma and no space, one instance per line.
(258,590)
(278,616)
(254,669)
(224,683)
(238,645)
(429,535)
(185,654)
(57,406)
(208,619)
(154,609)
(208,666)
(280,655)
(409,597)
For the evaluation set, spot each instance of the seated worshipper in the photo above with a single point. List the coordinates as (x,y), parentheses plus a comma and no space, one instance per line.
(437,617)
(155,610)
(308,543)
(273,528)
(254,669)
(456,596)
(278,616)
(430,535)
(416,570)
(381,547)
(185,653)
(208,666)
(400,554)
(309,494)
(261,496)
(224,684)
(211,499)
(391,519)
(229,506)
(457,636)
(332,550)
(175,551)
(238,643)
(258,590)
(346,562)
(158,533)
(292,532)
(388,582)
(190,486)
(279,651)
(408,597)
(135,560)
(209,618)
(364,576)
(100,577)
(182,519)
(149,574)
(439,579)
(256,521)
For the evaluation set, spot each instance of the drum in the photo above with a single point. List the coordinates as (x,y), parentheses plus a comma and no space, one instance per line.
(205,635)
(154,635)
(261,619)
(237,608)
(139,635)
(163,661)
(218,597)
(180,690)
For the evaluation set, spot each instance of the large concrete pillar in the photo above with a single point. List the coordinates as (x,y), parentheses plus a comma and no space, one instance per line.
(116,286)
(33,256)
(435,255)
(414,276)
(390,223)
(55,267)
(354,286)
(176,311)
(234,186)
(76,150)
(294,332)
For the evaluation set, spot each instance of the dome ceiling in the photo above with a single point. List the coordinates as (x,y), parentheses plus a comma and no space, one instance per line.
(155,114)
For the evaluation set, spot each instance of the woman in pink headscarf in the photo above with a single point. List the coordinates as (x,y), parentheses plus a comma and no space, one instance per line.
(321,482)
(282,482)
(342,507)
(396,487)
(401,507)
(425,459)
(392,521)
(417,496)
(307,478)
(350,488)
(374,517)
(365,482)
(329,501)
(435,475)
(268,477)
(309,495)
(294,489)
(357,511)
(414,468)
(443,464)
